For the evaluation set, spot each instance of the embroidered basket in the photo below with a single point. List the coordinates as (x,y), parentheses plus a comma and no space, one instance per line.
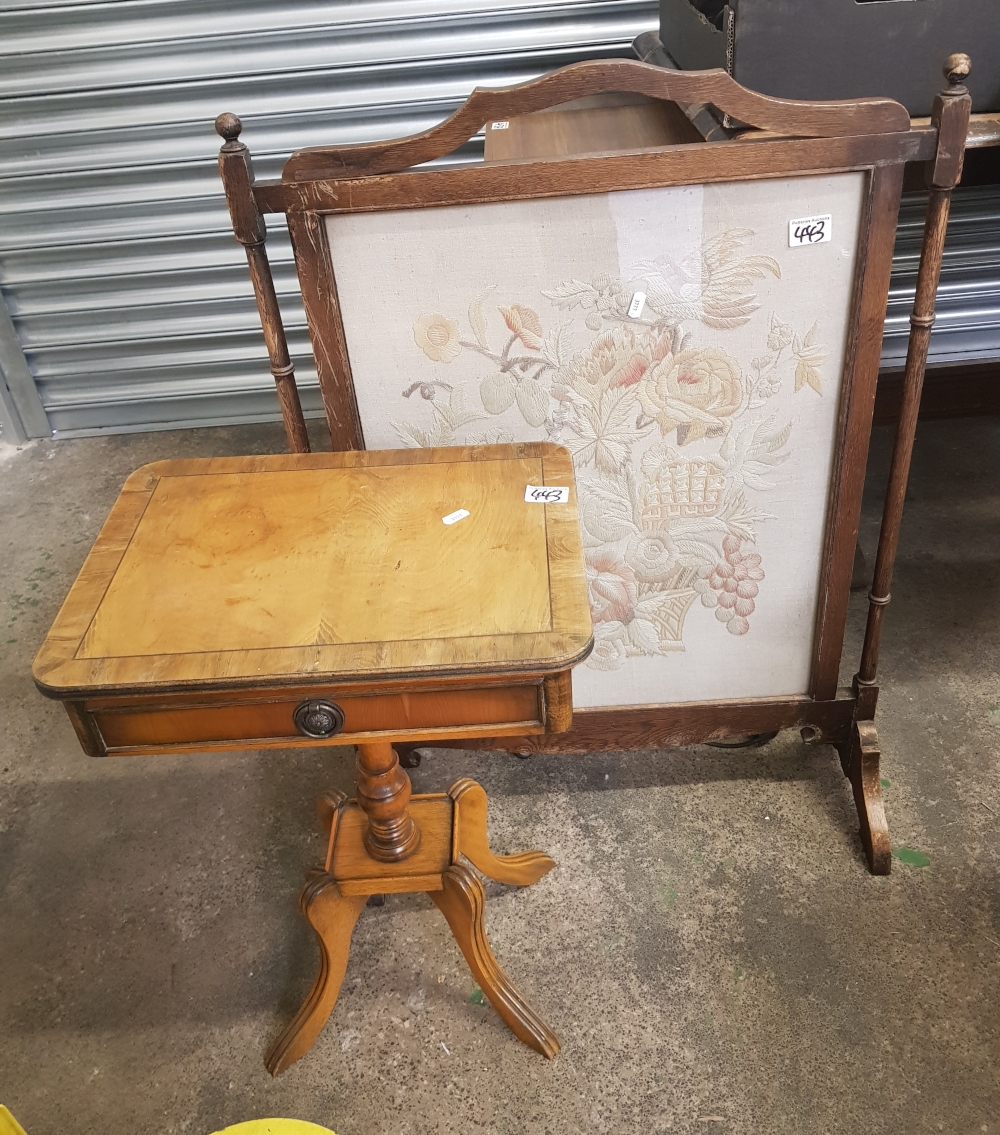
(686,488)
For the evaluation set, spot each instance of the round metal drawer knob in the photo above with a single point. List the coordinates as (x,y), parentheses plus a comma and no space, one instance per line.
(319,718)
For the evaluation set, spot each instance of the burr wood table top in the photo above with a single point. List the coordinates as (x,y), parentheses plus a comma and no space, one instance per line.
(244,571)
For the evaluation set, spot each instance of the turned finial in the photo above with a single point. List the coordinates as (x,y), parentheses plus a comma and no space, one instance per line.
(957,68)
(228,126)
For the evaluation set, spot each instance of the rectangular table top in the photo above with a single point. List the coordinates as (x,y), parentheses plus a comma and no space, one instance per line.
(255,570)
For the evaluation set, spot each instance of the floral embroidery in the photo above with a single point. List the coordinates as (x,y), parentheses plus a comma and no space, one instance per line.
(672,439)
(437,337)
(613,591)
(524,323)
(696,392)
(808,355)
(731,585)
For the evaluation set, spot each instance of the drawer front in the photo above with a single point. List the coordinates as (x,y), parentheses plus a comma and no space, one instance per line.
(502,710)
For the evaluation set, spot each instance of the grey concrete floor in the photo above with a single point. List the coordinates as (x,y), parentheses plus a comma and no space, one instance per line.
(711,947)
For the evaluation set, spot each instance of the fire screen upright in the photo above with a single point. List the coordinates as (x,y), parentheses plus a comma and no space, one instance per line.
(700,325)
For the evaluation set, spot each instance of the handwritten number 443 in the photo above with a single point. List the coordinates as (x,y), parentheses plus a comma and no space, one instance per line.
(810,233)
(809,230)
(546,494)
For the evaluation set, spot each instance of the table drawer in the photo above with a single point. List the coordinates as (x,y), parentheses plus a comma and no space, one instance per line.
(134,728)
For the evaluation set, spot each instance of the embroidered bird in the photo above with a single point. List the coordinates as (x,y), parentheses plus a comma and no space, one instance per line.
(709,283)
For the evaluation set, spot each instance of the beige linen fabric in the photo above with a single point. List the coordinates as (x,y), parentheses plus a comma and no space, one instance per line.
(702,424)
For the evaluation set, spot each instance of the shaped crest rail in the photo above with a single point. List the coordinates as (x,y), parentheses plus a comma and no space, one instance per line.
(581,80)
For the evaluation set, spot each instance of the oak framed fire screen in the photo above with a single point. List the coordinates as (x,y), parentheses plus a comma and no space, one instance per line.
(700,325)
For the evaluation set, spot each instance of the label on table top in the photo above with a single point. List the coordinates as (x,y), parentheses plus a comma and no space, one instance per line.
(810,230)
(455,517)
(637,304)
(500,125)
(546,494)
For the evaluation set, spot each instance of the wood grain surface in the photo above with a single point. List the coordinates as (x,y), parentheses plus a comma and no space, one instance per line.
(618,728)
(136,727)
(236,570)
(316,557)
(534,178)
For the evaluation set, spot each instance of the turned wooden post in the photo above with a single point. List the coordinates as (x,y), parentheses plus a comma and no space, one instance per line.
(383,791)
(251,231)
(951,117)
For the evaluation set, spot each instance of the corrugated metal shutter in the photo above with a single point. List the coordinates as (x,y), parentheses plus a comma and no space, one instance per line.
(130,297)
(128,293)
(967,329)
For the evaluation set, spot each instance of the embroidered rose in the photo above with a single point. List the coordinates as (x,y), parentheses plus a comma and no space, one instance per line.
(617,357)
(651,556)
(613,591)
(609,649)
(695,392)
(437,336)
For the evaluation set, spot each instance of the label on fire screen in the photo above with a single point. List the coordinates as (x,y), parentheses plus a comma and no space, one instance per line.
(810,230)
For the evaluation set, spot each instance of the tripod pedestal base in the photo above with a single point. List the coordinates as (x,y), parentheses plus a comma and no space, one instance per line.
(452,825)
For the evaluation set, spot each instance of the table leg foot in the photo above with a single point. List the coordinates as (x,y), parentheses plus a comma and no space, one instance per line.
(470,827)
(333,917)
(463,903)
(860,761)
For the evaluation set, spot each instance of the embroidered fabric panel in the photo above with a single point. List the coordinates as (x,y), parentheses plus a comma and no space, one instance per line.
(687,356)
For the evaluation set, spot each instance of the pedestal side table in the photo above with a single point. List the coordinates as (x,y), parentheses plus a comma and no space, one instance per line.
(360,598)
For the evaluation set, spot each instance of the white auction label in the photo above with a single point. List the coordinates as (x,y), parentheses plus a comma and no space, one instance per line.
(637,304)
(810,230)
(546,494)
(456,516)
(500,125)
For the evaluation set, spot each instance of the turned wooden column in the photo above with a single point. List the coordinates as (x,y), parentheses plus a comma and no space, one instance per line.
(251,231)
(383,791)
(951,116)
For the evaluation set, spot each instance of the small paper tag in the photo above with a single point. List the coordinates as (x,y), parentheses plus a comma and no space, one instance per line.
(637,304)
(546,494)
(456,516)
(810,230)
(500,125)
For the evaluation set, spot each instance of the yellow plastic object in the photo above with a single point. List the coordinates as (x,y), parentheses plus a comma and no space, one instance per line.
(257,1127)
(10,1126)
